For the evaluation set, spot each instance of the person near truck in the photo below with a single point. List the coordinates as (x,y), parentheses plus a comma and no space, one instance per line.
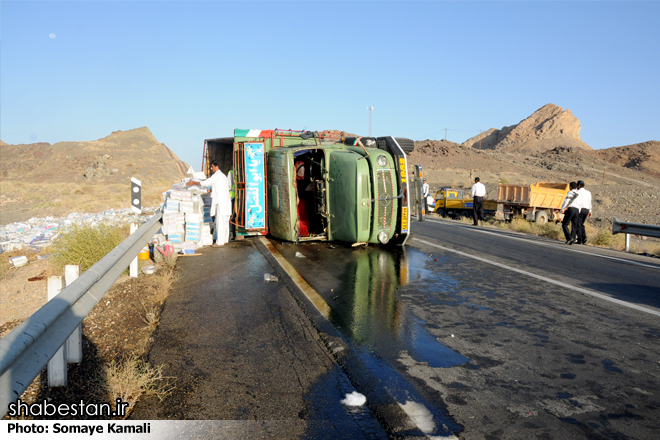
(425,195)
(220,202)
(584,202)
(232,195)
(571,214)
(478,194)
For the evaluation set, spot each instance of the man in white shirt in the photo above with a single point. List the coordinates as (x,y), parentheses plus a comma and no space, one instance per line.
(478,194)
(220,202)
(584,203)
(425,196)
(571,213)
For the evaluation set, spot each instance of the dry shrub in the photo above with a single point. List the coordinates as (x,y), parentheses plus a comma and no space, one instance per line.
(131,378)
(521,225)
(85,245)
(551,230)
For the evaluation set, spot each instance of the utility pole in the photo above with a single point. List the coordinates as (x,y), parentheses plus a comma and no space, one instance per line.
(445,134)
(371,109)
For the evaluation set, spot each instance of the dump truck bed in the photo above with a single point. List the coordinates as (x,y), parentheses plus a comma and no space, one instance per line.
(540,195)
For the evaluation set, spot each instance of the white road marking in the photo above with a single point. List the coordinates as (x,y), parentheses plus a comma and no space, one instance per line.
(571,249)
(542,278)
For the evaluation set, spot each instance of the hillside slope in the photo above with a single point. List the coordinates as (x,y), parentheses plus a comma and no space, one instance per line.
(43,179)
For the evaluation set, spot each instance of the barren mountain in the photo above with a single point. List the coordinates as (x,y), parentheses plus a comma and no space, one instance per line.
(547,128)
(644,157)
(43,179)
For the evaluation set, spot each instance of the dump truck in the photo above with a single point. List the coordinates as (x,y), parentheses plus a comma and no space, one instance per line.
(325,186)
(457,203)
(539,203)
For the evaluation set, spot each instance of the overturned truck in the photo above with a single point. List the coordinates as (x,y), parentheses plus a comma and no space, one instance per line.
(300,185)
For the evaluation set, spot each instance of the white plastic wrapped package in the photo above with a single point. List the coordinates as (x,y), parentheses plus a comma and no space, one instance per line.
(186,206)
(194,217)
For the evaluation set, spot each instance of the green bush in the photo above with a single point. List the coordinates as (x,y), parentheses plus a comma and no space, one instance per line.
(85,245)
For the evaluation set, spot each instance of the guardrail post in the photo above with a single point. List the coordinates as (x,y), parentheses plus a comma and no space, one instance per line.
(57,364)
(627,242)
(133,271)
(74,343)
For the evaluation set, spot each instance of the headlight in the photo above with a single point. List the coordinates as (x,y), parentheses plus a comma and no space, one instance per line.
(382,236)
(382,161)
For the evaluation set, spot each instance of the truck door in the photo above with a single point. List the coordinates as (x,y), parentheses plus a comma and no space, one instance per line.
(250,198)
(280,207)
(349,195)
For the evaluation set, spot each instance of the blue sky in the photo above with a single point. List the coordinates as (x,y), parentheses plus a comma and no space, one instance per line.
(77,71)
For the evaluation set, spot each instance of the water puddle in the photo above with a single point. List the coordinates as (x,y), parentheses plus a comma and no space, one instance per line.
(379,326)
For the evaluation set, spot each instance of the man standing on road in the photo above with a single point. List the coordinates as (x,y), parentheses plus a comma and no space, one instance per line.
(425,195)
(571,213)
(584,202)
(220,202)
(232,195)
(478,194)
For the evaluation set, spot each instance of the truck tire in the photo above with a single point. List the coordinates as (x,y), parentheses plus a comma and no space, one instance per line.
(541,217)
(406,144)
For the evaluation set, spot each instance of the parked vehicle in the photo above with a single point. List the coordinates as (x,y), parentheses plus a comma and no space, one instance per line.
(300,185)
(539,203)
(457,203)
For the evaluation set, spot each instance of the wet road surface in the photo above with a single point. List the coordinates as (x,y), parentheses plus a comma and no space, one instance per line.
(241,350)
(488,353)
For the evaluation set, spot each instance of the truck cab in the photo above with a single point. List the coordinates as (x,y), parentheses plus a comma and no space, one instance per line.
(301,186)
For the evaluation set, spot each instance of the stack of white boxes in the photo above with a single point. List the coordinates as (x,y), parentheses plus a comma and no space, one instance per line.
(183,217)
(207,238)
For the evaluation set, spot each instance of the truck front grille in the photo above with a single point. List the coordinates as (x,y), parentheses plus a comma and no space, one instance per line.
(385,188)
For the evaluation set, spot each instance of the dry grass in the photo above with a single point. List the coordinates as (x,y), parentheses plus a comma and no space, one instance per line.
(132,378)
(646,247)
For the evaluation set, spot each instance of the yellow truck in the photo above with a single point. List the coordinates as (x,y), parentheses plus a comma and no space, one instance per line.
(456,203)
(539,203)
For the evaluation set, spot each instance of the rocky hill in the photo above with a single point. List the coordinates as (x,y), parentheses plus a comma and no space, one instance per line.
(644,157)
(41,179)
(547,128)
(546,147)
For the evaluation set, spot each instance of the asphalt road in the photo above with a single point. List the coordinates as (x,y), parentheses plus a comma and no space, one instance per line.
(496,335)
(245,355)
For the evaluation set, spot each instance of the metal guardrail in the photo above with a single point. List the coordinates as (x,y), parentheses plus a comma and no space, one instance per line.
(634,228)
(27,349)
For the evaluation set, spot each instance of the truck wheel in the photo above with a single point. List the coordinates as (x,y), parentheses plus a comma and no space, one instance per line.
(541,217)
(441,213)
(407,145)
(465,214)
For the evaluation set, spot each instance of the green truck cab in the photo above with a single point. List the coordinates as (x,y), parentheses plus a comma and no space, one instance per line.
(300,186)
